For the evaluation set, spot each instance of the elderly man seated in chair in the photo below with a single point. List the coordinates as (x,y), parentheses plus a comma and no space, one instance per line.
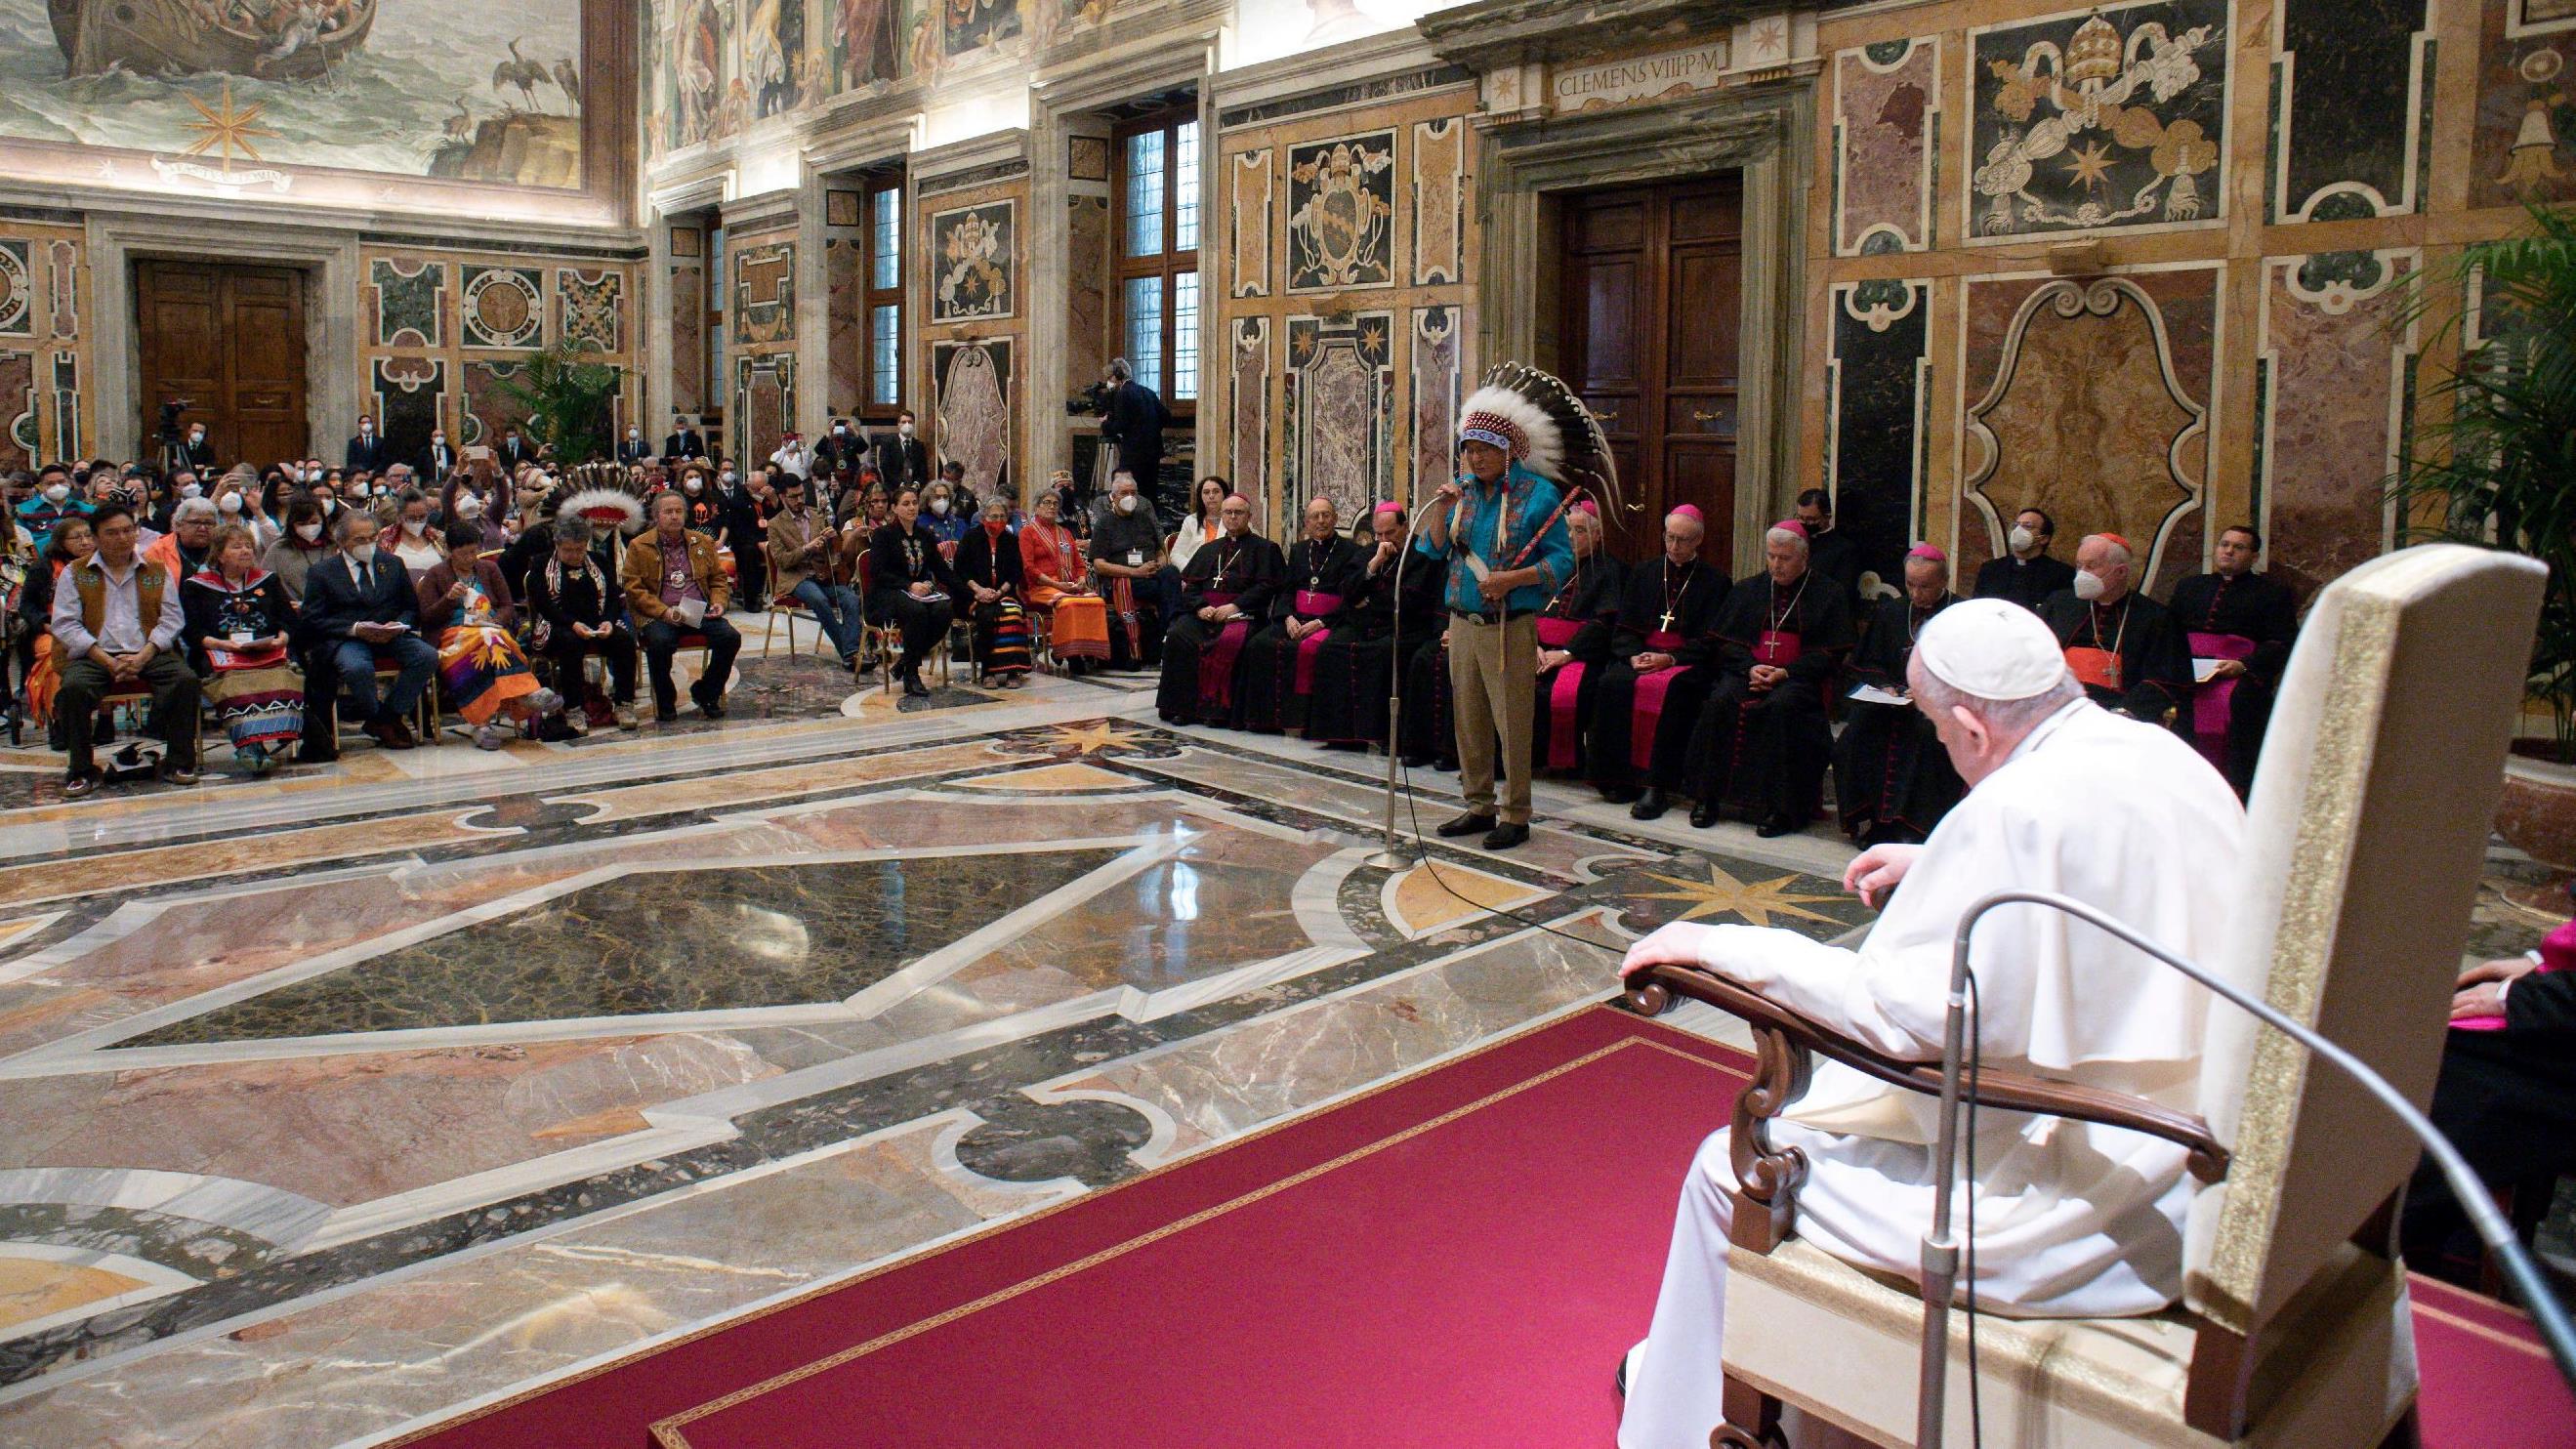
(2071,1219)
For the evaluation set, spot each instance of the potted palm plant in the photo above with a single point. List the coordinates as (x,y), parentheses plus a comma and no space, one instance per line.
(567,397)
(2499,469)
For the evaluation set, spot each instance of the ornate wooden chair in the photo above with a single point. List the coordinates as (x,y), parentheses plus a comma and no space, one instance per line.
(2366,834)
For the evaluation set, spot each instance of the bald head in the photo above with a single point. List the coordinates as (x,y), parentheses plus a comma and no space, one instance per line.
(1682,535)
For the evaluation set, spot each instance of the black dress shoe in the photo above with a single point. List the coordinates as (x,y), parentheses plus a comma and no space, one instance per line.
(1417,762)
(913,688)
(710,702)
(1774,826)
(1619,794)
(1467,825)
(1506,835)
(1650,806)
(1703,816)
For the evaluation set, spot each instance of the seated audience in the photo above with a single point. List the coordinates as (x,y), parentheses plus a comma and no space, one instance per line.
(360,611)
(988,570)
(70,543)
(2121,645)
(802,547)
(1762,743)
(465,609)
(2246,622)
(416,544)
(1574,632)
(1277,674)
(54,502)
(239,623)
(184,549)
(1657,673)
(1385,622)
(1892,780)
(304,541)
(944,513)
(1228,587)
(579,613)
(2026,574)
(1052,569)
(1127,555)
(117,622)
(1201,525)
(911,588)
(676,585)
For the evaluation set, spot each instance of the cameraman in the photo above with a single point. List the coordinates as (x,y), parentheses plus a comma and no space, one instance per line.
(1132,419)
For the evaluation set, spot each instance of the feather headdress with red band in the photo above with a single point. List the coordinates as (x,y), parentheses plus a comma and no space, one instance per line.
(1545,428)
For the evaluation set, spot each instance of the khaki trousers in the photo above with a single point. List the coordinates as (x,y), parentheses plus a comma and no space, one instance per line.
(1493,676)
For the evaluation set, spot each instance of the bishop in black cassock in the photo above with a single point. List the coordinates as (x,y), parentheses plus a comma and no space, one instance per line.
(2121,644)
(1762,744)
(1382,620)
(1225,592)
(1641,717)
(2247,621)
(1892,779)
(1278,670)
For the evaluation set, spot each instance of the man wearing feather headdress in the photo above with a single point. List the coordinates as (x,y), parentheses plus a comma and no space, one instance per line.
(1502,528)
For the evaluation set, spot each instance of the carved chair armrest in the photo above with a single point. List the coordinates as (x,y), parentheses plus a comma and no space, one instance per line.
(1783,1040)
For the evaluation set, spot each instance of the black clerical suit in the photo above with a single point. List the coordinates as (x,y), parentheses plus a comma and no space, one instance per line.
(1682,604)
(631,451)
(1833,554)
(1765,751)
(2251,609)
(437,460)
(2507,1100)
(512,451)
(686,443)
(902,462)
(1320,577)
(2027,582)
(368,451)
(1375,633)
(1892,779)
(2155,667)
(1199,656)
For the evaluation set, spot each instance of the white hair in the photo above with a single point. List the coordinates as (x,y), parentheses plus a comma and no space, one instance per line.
(1786,535)
(2006,717)
(190,510)
(2118,551)
(1677,513)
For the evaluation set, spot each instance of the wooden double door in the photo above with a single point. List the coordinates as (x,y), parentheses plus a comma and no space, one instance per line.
(1653,300)
(229,341)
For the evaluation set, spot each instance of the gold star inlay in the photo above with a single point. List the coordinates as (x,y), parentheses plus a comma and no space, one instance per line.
(1097,737)
(2091,165)
(226,128)
(1722,894)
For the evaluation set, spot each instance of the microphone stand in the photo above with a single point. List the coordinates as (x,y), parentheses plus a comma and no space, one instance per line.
(1941,1248)
(1390,853)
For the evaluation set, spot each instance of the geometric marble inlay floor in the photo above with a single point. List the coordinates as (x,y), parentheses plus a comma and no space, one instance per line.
(334,1113)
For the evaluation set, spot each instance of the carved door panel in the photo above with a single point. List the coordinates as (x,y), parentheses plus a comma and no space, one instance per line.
(230,342)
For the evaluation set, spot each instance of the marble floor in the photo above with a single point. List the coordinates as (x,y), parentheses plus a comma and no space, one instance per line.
(343,1101)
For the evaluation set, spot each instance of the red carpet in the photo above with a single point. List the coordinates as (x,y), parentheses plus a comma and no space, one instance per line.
(1454,1259)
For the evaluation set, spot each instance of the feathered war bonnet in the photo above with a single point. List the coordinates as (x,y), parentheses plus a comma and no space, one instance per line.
(603,494)
(1544,427)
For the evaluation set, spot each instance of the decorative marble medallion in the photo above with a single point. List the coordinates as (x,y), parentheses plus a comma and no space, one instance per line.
(17,290)
(504,306)
(591,307)
(975,409)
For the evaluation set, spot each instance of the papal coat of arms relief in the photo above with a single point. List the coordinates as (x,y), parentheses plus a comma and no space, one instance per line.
(1341,213)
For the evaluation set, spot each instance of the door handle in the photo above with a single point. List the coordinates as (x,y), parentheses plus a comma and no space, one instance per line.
(1700,417)
(1605,416)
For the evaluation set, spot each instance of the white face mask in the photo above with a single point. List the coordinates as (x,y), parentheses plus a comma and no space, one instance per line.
(359,491)
(57,493)
(905,429)
(330,505)
(438,440)
(2089,585)
(1126,502)
(469,509)
(229,503)
(2021,539)
(729,479)
(197,437)
(415,526)
(693,485)
(939,506)
(365,428)
(633,433)
(363,555)
(308,532)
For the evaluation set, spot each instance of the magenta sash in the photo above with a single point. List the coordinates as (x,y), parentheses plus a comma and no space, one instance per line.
(1651,689)
(1216,660)
(1776,648)
(1312,605)
(2210,701)
(1563,736)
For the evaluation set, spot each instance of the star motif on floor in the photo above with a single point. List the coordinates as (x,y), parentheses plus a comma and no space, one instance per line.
(1098,737)
(1722,894)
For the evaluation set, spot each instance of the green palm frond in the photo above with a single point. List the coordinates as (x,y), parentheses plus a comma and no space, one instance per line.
(568,400)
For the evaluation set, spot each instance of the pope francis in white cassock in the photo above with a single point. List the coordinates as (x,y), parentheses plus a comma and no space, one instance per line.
(2072,1219)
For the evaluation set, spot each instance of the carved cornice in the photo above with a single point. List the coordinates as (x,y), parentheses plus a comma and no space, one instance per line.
(1496,33)
(1723,129)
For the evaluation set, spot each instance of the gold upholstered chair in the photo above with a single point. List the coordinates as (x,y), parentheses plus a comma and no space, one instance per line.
(2364,841)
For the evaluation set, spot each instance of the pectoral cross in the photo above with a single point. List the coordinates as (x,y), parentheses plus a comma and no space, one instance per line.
(1668,621)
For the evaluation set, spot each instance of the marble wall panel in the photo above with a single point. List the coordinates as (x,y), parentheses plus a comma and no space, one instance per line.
(1251,197)
(409,301)
(1439,200)
(845,335)
(2116,117)
(688,337)
(764,292)
(2350,107)
(974,268)
(1438,384)
(17,289)
(2090,398)
(70,440)
(2337,363)
(974,408)
(1876,390)
(1886,121)
(488,408)
(764,402)
(590,308)
(19,438)
(1340,397)
(502,306)
(1341,213)
(2523,147)
(1087,295)
(62,272)
(1248,422)
(410,394)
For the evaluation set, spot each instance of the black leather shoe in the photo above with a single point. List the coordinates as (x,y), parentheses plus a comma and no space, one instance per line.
(1467,825)
(1417,762)
(710,703)
(1650,806)
(1619,794)
(1703,816)
(913,688)
(1505,836)
(1774,826)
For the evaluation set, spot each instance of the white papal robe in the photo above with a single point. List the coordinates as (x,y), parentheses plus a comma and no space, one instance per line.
(2072,1219)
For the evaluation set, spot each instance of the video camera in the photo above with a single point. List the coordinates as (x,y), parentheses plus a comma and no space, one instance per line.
(1092,401)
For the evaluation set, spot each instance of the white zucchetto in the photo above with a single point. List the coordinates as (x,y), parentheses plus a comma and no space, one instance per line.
(1992,649)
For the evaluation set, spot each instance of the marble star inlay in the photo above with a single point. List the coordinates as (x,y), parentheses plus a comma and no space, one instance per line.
(1722,894)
